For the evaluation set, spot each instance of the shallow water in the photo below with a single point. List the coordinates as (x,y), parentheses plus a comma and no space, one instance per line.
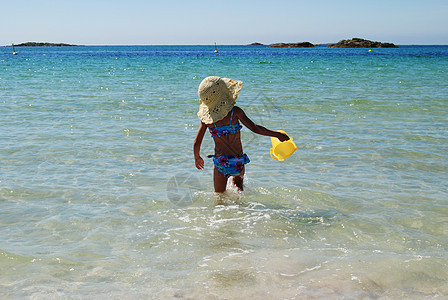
(100,196)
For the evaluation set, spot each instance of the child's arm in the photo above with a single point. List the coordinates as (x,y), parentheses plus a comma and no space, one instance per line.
(199,162)
(257,128)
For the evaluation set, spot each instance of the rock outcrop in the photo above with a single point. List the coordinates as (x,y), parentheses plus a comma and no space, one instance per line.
(292,45)
(361,43)
(35,44)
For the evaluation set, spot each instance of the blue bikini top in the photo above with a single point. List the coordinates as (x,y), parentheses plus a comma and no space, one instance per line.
(226,129)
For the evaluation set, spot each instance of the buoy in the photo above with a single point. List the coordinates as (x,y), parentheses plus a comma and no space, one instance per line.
(370,50)
(13,50)
(216,50)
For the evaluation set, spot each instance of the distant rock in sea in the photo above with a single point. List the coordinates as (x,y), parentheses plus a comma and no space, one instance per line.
(256,44)
(361,43)
(35,44)
(292,45)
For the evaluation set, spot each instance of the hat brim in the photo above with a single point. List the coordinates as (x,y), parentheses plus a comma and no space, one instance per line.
(218,113)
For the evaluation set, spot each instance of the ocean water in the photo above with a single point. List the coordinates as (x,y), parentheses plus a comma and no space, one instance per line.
(100,198)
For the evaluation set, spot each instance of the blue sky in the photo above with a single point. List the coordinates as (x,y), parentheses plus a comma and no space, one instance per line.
(197,22)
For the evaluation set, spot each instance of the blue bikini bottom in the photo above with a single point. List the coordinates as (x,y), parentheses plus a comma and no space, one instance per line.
(231,165)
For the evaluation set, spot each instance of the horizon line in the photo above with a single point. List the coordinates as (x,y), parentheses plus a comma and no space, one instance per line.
(250,44)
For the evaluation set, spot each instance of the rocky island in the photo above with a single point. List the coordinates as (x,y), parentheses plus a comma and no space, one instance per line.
(292,45)
(361,43)
(35,44)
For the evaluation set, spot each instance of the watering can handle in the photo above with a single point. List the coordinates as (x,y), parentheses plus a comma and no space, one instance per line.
(272,155)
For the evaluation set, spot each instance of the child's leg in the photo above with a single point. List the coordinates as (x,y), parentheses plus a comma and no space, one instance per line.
(220,181)
(238,180)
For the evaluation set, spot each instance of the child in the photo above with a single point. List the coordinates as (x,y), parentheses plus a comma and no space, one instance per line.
(218,113)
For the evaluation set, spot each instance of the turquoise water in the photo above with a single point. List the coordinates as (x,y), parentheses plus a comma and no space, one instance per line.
(100,197)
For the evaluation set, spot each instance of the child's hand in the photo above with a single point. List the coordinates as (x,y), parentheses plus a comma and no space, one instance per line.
(199,163)
(282,136)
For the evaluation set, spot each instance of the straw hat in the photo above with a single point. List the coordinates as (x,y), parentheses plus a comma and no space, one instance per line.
(217,97)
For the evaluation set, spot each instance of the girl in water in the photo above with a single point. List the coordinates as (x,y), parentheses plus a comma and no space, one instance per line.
(218,113)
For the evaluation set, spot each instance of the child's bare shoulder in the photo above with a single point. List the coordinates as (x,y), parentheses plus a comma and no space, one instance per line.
(238,110)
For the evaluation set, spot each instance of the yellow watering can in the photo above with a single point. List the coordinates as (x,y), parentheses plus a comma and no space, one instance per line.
(282,150)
